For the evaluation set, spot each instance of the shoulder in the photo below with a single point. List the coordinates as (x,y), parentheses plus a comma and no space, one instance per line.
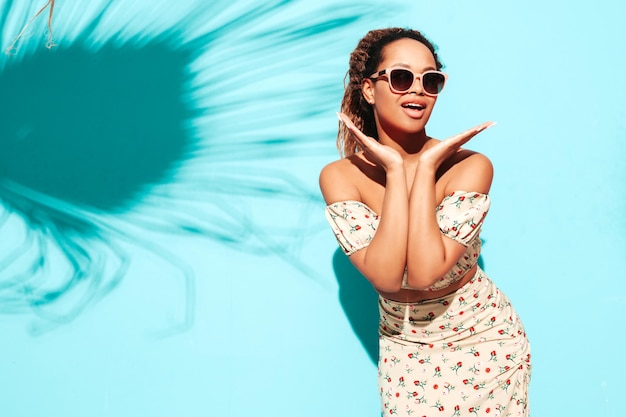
(337,181)
(470,171)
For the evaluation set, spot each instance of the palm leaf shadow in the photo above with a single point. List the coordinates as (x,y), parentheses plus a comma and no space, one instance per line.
(95,129)
(86,132)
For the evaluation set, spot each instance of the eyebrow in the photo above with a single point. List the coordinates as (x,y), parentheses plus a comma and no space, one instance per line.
(403,65)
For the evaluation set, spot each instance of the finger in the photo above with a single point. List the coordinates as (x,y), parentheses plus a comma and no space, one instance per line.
(484,126)
(466,135)
(361,137)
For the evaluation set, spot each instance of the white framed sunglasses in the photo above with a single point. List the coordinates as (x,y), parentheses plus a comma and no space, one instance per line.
(401,80)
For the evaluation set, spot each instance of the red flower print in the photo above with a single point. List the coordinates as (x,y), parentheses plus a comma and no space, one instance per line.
(357,227)
(436,386)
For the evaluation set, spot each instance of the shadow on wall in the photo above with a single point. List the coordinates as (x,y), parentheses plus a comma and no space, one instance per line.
(83,133)
(94,129)
(107,147)
(359,301)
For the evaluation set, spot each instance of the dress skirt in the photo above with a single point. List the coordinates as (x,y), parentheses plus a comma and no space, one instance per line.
(463,354)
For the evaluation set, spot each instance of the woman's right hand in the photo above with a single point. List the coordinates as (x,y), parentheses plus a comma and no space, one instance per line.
(382,155)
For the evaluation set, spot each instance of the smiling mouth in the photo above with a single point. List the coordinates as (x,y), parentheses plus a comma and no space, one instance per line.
(413,106)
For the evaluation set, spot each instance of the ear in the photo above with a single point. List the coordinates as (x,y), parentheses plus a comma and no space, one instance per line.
(367,89)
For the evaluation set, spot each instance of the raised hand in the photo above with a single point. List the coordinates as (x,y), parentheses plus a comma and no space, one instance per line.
(382,155)
(434,156)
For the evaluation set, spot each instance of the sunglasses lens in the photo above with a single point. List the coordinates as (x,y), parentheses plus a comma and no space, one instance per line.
(433,82)
(401,79)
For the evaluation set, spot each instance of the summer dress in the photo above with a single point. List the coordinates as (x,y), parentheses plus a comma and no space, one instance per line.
(462,354)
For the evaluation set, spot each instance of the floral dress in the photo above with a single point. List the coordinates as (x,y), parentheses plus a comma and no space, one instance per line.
(462,354)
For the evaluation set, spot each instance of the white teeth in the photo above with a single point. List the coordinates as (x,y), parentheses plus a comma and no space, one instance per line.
(414,106)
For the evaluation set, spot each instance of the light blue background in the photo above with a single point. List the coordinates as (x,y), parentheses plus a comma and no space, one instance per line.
(230,305)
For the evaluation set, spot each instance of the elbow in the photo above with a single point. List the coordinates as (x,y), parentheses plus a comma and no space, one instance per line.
(389,283)
(422,280)
(388,287)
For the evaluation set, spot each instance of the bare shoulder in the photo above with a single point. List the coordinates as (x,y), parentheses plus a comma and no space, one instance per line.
(470,171)
(338,181)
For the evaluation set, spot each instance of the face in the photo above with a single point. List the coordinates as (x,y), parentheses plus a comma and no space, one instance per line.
(404,113)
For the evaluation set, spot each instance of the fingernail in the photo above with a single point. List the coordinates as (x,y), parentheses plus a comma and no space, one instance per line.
(339,117)
(480,129)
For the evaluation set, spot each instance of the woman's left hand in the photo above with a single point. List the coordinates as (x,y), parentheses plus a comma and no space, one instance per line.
(434,156)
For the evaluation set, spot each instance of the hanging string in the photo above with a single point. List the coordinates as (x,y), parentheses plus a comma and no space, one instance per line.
(50,43)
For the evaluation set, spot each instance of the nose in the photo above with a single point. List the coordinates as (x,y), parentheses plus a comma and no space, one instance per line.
(416,87)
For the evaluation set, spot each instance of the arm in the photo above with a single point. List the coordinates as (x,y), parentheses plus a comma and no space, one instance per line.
(430,254)
(383,261)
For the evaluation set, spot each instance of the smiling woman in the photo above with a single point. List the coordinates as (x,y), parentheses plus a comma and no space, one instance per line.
(407,209)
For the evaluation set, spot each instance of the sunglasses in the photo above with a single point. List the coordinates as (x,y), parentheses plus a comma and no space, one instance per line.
(401,80)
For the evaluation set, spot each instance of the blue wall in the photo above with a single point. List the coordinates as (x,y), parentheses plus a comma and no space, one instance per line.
(163,250)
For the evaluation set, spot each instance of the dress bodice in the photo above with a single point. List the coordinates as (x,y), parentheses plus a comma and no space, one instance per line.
(459,216)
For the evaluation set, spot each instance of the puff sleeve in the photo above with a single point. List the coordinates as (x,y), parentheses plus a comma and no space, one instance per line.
(460,215)
(353,223)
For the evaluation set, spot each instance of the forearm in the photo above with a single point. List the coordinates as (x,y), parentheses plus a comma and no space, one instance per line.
(426,252)
(384,260)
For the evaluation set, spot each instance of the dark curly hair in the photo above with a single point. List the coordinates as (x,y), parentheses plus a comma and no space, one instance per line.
(364,61)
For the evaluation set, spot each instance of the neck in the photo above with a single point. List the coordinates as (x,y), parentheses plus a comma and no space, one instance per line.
(408,144)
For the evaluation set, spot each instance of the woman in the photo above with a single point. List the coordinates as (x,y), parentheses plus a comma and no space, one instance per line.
(407,209)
